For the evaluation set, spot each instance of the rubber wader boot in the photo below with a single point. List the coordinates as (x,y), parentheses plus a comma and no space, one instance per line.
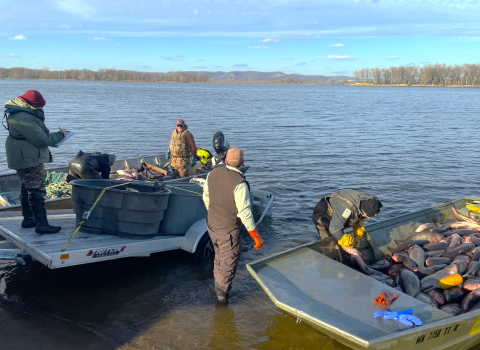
(37,203)
(28,220)
(222,297)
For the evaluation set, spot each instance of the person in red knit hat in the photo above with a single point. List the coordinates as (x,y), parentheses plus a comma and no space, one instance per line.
(27,149)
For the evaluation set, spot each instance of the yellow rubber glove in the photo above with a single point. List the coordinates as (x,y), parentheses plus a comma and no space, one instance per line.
(346,241)
(358,231)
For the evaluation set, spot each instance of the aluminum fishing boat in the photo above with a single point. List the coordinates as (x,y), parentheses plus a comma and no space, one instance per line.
(314,284)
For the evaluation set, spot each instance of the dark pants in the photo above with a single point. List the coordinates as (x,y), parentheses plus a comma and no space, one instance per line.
(32,190)
(321,217)
(227,253)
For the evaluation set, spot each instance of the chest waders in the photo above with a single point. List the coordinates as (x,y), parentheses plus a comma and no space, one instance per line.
(322,214)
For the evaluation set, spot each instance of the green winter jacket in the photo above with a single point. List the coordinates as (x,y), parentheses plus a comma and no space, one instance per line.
(28,139)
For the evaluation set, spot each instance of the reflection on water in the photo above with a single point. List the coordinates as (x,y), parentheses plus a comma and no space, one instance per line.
(412,147)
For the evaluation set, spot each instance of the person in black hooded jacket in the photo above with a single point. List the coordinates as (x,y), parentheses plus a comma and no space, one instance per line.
(90,166)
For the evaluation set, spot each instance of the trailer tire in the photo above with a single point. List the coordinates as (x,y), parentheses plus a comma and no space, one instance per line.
(204,250)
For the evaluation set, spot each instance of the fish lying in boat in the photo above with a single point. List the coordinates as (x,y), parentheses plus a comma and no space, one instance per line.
(410,283)
(433,252)
(406,245)
(425,235)
(452,309)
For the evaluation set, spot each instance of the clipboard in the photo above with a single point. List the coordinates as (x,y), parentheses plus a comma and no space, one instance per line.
(68,134)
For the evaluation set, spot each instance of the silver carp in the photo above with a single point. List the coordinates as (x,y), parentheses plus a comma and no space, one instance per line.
(436,246)
(471,284)
(434,253)
(417,254)
(472,269)
(410,283)
(382,263)
(438,296)
(357,260)
(423,297)
(458,250)
(470,300)
(399,257)
(452,309)
(431,237)
(406,245)
(455,294)
(437,261)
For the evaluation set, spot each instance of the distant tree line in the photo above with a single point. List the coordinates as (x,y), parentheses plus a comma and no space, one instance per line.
(429,74)
(101,75)
(123,75)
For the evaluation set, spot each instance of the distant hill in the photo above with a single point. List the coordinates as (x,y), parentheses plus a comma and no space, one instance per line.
(267,76)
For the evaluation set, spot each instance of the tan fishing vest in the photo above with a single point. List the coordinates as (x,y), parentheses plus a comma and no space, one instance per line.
(355,215)
(178,146)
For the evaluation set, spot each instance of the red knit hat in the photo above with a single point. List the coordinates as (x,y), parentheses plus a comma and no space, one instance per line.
(33,98)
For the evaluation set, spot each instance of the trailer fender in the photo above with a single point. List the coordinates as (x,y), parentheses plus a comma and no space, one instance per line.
(193,236)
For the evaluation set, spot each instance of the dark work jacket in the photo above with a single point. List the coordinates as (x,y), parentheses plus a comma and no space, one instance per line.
(89,166)
(341,210)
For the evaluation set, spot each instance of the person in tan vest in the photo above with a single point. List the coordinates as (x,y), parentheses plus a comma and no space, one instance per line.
(227,198)
(182,150)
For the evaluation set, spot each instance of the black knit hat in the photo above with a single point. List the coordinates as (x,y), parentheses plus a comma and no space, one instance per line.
(371,207)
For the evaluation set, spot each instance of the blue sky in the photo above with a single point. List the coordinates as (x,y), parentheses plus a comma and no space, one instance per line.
(292,36)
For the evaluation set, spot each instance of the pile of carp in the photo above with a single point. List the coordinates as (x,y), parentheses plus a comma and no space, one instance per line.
(434,251)
(147,172)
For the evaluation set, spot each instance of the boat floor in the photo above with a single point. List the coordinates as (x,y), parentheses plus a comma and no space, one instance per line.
(50,245)
(307,284)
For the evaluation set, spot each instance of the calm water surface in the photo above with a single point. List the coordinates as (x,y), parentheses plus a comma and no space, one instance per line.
(412,147)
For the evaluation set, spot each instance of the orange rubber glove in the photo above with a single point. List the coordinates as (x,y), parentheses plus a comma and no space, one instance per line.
(258,241)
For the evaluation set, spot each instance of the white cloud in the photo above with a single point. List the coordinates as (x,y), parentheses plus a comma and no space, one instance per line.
(269,41)
(240,65)
(341,58)
(258,47)
(337,45)
(195,12)
(9,55)
(286,58)
(319,57)
(98,38)
(302,64)
(393,57)
(18,37)
(410,64)
(65,26)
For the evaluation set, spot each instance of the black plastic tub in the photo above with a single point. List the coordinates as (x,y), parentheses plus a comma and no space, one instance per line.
(119,211)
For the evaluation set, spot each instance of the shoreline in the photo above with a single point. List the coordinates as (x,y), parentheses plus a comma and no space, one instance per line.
(264,83)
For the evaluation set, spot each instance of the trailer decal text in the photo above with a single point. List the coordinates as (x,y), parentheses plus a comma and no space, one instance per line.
(102,252)
(437,333)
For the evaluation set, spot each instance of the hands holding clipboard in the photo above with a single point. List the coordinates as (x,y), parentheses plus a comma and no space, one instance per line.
(67,134)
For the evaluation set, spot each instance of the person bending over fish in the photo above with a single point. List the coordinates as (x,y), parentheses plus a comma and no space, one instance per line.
(342,209)
(27,150)
(90,166)
(182,150)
